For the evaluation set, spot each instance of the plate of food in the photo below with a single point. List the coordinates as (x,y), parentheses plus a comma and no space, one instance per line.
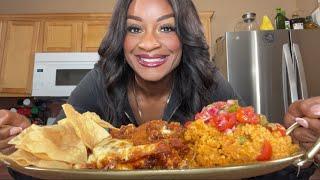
(225,141)
(228,172)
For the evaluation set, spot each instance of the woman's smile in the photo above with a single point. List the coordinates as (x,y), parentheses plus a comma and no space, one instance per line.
(151,61)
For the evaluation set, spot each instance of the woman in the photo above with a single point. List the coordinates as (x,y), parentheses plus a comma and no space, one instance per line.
(154,64)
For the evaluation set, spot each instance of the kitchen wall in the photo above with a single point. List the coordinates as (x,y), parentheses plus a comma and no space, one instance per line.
(307,6)
(227,12)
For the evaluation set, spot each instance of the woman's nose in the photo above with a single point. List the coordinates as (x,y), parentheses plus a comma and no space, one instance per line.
(149,42)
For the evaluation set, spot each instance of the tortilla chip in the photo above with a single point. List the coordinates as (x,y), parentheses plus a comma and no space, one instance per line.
(63,145)
(19,139)
(24,158)
(63,121)
(89,131)
(56,142)
(96,118)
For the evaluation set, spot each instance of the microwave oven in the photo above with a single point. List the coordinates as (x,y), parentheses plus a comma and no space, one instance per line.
(57,74)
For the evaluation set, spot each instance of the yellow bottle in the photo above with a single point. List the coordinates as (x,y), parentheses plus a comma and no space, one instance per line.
(266,24)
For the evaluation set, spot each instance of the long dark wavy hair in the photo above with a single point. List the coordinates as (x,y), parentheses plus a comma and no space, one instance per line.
(193,78)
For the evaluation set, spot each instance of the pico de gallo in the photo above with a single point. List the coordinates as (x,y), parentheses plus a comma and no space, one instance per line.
(226,115)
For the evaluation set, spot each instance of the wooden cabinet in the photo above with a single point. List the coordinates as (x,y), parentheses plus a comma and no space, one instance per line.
(62,36)
(20,41)
(3,28)
(205,19)
(93,33)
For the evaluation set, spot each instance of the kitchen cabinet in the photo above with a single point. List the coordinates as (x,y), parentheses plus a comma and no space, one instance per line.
(62,36)
(3,26)
(20,43)
(205,19)
(93,33)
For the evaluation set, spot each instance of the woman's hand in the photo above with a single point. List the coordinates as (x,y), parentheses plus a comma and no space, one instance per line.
(11,124)
(307,114)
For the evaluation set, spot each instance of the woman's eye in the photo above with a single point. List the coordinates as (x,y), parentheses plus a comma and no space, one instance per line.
(133,29)
(167,28)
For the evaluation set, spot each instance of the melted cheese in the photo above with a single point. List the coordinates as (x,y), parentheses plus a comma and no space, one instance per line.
(111,150)
(165,131)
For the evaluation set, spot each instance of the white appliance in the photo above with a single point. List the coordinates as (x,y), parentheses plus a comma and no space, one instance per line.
(57,74)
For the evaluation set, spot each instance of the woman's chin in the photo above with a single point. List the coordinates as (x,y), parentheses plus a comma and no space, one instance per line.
(152,76)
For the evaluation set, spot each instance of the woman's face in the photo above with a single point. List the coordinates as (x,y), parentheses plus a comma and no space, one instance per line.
(151,46)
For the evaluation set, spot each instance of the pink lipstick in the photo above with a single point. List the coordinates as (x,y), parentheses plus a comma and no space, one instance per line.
(151,61)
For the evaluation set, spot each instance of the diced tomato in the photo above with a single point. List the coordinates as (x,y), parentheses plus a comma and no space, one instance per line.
(277,127)
(232,120)
(266,152)
(198,116)
(281,129)
(186,124)
(247,115)
(220,122)
(213,111)
(207,113)
(223,121)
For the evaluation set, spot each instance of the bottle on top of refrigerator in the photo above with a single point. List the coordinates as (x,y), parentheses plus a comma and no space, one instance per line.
(297,22)
(309,24)
(280,19)
(287,23)
(266,24)
(248,23)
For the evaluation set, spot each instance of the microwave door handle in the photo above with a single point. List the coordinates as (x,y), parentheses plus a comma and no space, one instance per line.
(301,73)
(292,81)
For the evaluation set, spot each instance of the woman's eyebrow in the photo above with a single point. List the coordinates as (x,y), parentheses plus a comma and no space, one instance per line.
(137,18)
(165,17)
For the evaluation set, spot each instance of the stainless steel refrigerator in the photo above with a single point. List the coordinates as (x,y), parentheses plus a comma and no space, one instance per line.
(271,69)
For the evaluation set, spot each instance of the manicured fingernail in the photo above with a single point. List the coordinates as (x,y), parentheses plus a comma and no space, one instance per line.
(315,110)
(302,122)
(15,131)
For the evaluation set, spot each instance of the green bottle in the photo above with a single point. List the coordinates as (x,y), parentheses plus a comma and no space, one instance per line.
(287,23)
(280,19)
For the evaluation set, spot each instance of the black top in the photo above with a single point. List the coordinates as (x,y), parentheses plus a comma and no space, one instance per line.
(90,92)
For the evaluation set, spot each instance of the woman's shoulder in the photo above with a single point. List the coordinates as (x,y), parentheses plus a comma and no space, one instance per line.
(94,78)
(222,90)
(97,72)
(91,85)
(89,94)
(219,80)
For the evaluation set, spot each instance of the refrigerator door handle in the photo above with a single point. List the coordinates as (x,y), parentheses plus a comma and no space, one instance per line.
(301,74)
(284,83)
(288,74)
